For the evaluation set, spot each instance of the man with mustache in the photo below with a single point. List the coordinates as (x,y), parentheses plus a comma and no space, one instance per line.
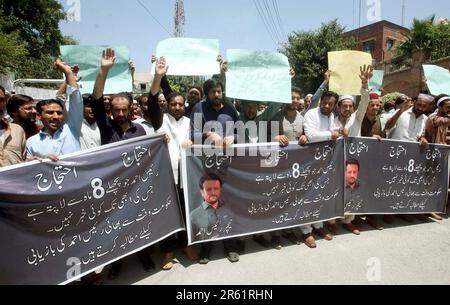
(408,122)
(177,129)
(59,135)
(210,218)
(12,137)
(437,127)
(21,108)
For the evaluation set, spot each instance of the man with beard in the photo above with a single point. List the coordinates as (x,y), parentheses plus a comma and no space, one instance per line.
(90,133)
(12,137)
(320,126)
(214,113)
(290,121)
(349,119)
(408,122)
(352,121)
(119,128)
(209,120)
(210,218)
(177,128)
(58,136)
(195,95)
(22,110)
(319,122)
(371,117)
(437,127)
(290,128)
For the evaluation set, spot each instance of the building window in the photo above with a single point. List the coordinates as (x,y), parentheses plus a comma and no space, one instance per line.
(389,44)
(143,86)
(369,46)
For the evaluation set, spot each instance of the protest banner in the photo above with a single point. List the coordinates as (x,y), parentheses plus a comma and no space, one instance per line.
(265,188)
(61,220)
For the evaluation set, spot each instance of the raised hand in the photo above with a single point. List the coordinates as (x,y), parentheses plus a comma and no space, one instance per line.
(131,66)
(108,58)
(405,105)
(61,66)
(75,70)
(161,67)
(291,72)
(327,76)
(366,73)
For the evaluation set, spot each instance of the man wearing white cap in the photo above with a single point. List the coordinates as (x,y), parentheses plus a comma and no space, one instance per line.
(352,121)
(436,127)
(408,122)
(347,117)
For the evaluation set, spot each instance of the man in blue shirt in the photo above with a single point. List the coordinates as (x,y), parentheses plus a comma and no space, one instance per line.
(60,135)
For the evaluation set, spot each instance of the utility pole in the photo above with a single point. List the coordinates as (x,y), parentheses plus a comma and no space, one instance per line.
(403,13)
(179,18)
(360,11)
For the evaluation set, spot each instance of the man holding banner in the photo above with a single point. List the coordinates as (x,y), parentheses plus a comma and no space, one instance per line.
(114,130)
(436,127)
(353,123)
(408,122)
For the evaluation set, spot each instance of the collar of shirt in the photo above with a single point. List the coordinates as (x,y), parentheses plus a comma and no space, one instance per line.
(119,129)
(3,123)
(209,104)
(206,205)
(43,134)
(175,121)
(410,111)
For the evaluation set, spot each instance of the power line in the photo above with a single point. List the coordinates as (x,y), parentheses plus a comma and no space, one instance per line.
(263,18)
(280,22)
(154,18)
(271,20)
(266,22)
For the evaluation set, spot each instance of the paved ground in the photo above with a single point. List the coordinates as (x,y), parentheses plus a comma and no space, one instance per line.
(406,253)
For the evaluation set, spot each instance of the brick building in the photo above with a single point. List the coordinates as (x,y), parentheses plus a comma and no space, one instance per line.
(379,39)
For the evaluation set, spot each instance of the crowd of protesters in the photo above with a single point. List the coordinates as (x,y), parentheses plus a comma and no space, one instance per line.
(35,131)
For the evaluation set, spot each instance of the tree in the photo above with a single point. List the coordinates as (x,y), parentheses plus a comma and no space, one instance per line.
(34,25)
(428,34)
(12,52)
(308,53)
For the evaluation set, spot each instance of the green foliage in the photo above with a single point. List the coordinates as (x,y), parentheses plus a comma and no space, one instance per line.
(391,97)
(12,52)
(181,84)
(69,40)
(426,35)
(33,27)
(308,53)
